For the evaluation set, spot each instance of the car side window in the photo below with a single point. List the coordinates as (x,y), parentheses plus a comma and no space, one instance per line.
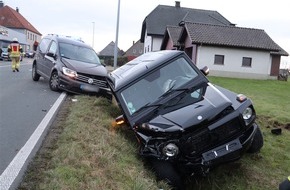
(52,48)
(44,45)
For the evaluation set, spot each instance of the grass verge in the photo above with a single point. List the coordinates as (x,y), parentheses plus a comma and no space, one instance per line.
(83,151)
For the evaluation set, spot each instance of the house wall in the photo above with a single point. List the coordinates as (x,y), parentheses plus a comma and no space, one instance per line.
(152,43)
(169,44)
(190,49)
(31,38)
(147,43)
(260,67)
(156,43)
(6,39)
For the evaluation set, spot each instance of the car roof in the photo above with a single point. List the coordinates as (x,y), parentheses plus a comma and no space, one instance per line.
(67,39)
(140,66)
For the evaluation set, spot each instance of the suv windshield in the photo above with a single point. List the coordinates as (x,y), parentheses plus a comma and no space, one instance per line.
(79,53)
(153,86)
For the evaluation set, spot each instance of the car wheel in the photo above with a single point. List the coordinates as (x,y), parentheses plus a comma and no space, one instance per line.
(35,75)
(54,81)
(257,143)
(166,172)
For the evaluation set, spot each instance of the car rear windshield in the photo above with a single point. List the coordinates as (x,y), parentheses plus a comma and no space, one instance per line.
(155,84)
(79,53)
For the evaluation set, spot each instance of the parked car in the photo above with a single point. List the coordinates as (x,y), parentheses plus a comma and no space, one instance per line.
(70,65)
(5,54)
(29,54)
(184,124)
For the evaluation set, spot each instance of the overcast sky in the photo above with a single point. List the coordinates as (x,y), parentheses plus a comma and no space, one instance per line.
(76,18)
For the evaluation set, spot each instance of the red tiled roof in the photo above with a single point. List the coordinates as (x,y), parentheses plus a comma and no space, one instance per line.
(12,19)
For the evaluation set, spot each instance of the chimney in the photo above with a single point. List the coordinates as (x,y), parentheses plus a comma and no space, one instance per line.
(177,4)
(17,10)
(1,4)
(133,42)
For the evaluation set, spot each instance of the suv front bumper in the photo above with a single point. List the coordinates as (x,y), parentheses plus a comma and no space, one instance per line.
(228,152)
(231,150)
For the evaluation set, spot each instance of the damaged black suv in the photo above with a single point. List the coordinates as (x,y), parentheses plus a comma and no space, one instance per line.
(185,125)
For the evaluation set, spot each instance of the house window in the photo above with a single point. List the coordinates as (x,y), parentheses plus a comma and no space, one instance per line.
(247,62)
(134,51)
(219,59)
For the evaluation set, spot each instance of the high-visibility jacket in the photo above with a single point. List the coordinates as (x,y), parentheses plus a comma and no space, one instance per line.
(14,49)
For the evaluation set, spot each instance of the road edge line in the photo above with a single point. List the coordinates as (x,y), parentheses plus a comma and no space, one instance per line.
(12,175)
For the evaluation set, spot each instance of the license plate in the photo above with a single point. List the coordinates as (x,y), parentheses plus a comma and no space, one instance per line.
(222,150)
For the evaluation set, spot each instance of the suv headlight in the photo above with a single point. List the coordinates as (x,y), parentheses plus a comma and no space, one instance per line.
(248,113)
(69,72)
(170,150)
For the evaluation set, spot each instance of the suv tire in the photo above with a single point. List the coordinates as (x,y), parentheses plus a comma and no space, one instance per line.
(166,172)
(35,75)
(257,143)
(54,81)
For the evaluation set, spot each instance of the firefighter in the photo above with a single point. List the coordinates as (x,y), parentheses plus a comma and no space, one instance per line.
(285,185)
(15,50)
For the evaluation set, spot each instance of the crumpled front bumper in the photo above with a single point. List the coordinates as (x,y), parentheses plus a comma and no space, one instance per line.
(230,151)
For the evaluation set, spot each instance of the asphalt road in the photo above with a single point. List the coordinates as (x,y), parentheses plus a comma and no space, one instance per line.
(24,105)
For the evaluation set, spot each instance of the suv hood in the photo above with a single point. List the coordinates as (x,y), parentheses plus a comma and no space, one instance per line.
(83,67)
(211,104)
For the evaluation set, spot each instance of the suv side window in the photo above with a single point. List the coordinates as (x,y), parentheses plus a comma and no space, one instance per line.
(44,45)
(52,48)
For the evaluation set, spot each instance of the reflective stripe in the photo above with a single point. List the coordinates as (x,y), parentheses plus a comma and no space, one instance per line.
(289,177)
(15,48)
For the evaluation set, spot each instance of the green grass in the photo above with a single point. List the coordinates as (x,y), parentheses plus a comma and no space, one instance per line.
(88,153)
(271,98)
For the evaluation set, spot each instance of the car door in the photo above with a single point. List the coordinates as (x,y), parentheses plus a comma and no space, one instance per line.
(40,56)
(50,58)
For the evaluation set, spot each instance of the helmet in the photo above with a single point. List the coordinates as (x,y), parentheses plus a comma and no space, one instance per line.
(15,40)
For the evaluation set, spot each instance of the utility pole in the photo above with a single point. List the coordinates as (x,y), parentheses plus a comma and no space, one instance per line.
(116,42)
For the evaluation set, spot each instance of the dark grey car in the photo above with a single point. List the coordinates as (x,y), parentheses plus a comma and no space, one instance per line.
(70,65)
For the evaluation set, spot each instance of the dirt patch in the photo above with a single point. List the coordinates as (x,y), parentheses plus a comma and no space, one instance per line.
(272,124)
(41,161)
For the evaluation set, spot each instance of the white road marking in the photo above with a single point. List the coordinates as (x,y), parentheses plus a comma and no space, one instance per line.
(16,165)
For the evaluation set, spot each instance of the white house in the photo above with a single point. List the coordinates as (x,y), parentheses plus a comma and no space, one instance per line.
(228,51)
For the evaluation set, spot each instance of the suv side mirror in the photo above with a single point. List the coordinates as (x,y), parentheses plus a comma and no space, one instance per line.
(205,70)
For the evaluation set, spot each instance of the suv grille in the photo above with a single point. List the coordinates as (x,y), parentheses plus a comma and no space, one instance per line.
(205,139)
(97,80)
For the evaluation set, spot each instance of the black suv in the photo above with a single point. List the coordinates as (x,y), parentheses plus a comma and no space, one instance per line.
(184,124)
(71,65)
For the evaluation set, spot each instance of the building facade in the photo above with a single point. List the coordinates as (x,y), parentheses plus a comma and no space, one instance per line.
(15,25)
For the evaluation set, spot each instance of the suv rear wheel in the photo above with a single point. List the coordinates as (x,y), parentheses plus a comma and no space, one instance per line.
(54,81)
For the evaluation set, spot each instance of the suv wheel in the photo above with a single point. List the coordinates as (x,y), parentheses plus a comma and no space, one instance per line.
(54,81)
(35,75)
(167,173)
(257,143)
